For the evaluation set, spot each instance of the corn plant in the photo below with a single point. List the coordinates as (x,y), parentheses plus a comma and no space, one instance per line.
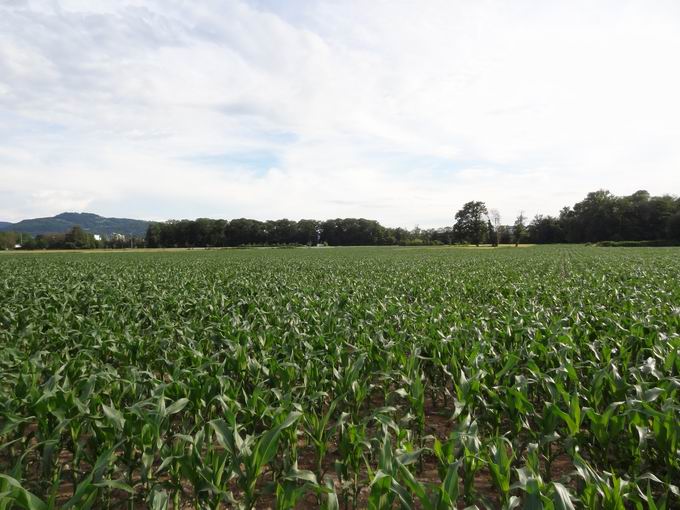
(237,378)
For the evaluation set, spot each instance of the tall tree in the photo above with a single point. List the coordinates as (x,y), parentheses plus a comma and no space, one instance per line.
(519,229)
(494,218)
(153,235)
(76,237)
(8,240)
(470,222)
(545,229)
(307,232)
(491,232)
(595,217)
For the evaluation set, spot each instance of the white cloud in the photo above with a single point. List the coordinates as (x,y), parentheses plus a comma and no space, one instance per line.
(388,110)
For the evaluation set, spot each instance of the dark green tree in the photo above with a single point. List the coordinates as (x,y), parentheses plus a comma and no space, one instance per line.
(596,217)
(470,224)
(545,229)
(8,240)
(673,227)
(77,238)
(519,229)
(307,232)
(493,237)
(153,235)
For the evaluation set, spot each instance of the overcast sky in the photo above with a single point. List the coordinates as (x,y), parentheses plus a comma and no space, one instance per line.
(398,111)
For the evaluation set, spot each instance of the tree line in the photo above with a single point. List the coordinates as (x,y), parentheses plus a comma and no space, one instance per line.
(599,217)
(244,231)
(76,238)
(602,216)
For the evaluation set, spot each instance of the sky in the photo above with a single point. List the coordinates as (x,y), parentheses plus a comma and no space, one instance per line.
(395,110)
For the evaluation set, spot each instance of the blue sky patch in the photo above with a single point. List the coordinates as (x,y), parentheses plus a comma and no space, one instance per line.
(258,161)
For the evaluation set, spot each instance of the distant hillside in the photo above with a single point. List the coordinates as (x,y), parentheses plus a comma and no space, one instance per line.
(92,223)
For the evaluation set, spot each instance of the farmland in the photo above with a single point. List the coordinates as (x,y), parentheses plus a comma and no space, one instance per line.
(434,378)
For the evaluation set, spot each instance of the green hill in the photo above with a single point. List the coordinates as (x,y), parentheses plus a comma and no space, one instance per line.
(92,223)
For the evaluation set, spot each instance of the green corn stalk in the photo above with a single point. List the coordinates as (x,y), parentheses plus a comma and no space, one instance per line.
(250,456)
(500,466)
(317,428)
(352,448)
(91,486)
(289,489)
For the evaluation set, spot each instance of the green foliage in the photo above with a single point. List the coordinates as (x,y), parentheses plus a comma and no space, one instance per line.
(519,229)
(61,223)
(546,377)
(637,244)
(673,227)
(8,240)
(470,224)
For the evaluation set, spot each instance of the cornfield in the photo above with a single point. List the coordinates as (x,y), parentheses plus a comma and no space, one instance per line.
(432,378)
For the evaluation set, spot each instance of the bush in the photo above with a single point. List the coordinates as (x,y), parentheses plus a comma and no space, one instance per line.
(636,244)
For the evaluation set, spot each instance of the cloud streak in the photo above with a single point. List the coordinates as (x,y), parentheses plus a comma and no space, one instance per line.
(384,110)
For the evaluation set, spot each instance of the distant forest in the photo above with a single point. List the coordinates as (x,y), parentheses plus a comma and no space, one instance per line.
(638,219)
(600,217)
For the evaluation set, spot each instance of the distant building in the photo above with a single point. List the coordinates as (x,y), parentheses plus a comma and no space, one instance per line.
(117,237)
(97,237)
(17,246)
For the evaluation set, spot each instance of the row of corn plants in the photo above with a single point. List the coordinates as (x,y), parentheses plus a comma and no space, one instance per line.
(378,378)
